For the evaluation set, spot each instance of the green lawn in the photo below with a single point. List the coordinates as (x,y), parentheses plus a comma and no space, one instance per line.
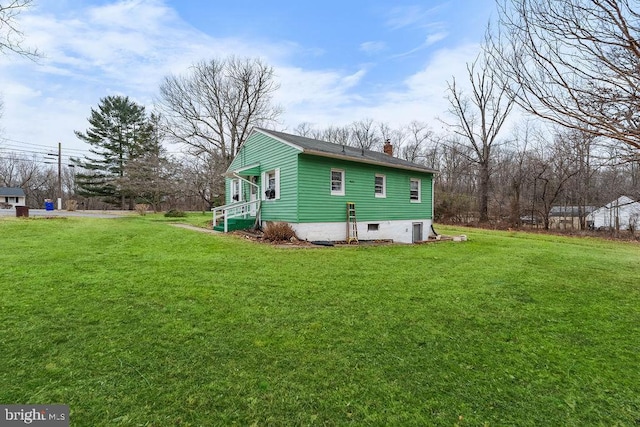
(133,322)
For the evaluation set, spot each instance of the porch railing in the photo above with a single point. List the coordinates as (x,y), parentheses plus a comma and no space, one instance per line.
(235,210)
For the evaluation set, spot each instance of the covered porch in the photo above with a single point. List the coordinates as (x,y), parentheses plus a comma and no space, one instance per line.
(244,210)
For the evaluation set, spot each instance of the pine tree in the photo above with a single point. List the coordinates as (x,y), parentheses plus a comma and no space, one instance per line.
(119,133)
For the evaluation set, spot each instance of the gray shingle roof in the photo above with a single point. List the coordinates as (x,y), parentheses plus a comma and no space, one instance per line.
(329,149)
(12,191)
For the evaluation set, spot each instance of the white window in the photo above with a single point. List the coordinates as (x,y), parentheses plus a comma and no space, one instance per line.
(414,192)
(271,185)
(337,182)
(380,185)
(236,194)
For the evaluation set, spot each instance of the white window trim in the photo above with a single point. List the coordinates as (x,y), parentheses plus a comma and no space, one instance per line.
(341,192)
(419,190)
(264,180)
(384,186)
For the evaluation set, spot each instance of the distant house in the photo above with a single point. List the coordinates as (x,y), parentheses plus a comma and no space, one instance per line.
(569,217)
(11,197)
(309,183)
(618,214)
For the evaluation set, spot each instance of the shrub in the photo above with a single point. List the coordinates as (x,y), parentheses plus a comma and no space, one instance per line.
(72,205)
(175,214)
(142,208)
(278,231)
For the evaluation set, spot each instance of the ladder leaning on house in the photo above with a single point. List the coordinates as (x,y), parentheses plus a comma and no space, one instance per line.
(352,224)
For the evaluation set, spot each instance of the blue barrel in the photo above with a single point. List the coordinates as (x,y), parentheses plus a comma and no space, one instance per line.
(48,206)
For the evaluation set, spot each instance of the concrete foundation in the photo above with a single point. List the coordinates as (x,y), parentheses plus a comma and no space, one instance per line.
(398,231)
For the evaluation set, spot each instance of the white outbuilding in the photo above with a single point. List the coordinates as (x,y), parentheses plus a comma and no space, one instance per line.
(618,214)
(10,197)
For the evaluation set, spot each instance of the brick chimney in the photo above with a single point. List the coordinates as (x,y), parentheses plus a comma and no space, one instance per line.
(388,148)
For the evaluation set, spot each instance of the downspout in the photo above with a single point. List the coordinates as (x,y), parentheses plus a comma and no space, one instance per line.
(433,202)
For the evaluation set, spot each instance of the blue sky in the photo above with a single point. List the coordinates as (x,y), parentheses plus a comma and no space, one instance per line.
(336,61)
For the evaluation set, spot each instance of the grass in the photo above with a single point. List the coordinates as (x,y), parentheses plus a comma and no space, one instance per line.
(132,322)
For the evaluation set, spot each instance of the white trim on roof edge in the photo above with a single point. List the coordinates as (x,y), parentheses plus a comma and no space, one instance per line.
(266,132)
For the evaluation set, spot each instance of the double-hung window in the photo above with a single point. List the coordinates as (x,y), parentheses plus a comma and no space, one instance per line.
(380,185)
(414,190)
(271,185)
(337,182)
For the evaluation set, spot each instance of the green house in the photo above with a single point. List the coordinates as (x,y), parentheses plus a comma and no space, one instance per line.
(310,184)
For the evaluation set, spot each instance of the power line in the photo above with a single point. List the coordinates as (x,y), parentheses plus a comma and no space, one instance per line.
(48,147)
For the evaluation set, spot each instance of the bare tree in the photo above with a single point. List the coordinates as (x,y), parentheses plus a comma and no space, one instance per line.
(307,130)
(11,37)
(582,147)
(573,62)
(479,118)
(554,165)
(1,110)
(420,144)
(150,175)
(336,134)
(200,177)
(364,134)
(213,108)
(456,183)
(514,167)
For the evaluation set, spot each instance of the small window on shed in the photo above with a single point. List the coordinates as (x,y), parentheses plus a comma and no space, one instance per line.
(373,227)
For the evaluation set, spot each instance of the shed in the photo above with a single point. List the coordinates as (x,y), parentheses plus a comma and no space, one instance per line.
(618,214)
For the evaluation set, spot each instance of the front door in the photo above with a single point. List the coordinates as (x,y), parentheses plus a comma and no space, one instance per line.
(417,232)
(253,195)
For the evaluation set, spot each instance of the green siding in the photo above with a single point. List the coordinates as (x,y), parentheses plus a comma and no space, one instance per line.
(305,186)
(316,204)
(271,154)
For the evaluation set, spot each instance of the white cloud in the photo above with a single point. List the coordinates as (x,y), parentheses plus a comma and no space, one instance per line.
(373,47)
(412,16)
(435,38)
(127,48)
(302,89)
(124,48)
(421,96)
(430,40)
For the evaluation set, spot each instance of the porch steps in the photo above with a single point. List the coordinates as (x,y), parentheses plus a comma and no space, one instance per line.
(236,224)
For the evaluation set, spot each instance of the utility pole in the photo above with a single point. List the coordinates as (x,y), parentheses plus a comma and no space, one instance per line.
(59,173)
(59,176)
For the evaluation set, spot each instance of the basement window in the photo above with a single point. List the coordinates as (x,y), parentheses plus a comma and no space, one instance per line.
(373,227)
